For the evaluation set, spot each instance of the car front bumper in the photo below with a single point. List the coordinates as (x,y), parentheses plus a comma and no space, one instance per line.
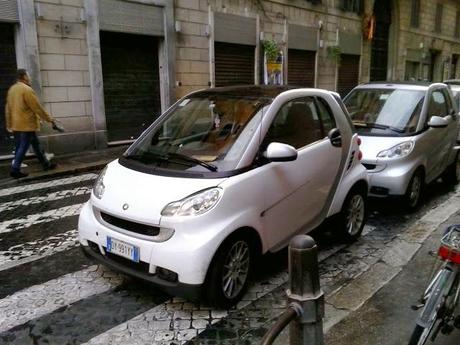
(186,255)
(188,291)
(389,179)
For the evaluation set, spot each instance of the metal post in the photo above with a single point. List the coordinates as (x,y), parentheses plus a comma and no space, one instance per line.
(305,294)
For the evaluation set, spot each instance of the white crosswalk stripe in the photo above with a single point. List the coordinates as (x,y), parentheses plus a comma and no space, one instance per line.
(38,249)
(42,185)
(37,218)
(39,300)
(44,198)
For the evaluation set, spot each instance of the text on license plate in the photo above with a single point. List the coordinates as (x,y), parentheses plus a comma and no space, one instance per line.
(121,248)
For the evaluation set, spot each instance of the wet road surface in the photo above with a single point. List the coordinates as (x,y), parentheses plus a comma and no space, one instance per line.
(51,294)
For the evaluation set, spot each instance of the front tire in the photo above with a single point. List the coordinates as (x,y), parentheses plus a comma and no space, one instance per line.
(414,191)
(230,271)
(352,217)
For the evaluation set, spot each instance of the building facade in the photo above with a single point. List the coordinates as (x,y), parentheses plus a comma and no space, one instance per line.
(107,68)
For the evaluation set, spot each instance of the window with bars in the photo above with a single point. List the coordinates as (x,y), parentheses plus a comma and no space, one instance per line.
(457,25)
(438,18)
(356,6)
(414,19)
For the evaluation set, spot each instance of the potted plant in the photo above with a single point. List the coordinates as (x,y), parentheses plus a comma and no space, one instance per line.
(333,53)
(273,61)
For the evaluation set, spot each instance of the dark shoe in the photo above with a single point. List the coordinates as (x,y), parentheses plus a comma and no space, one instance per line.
(50,166)
(18,174)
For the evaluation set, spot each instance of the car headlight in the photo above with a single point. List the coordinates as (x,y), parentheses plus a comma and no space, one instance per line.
(398,151)
(194,204)
(99,188)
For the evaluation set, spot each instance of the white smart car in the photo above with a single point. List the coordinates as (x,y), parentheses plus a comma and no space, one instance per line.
(224,175)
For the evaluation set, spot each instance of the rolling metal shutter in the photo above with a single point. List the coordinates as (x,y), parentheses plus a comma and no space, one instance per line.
(7,77)
(348,73)
(230,28)
(130,17)
(234,64)
(301,67)
(9,11)
(131,83)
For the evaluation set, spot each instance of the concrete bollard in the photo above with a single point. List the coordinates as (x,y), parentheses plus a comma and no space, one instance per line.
(305,294)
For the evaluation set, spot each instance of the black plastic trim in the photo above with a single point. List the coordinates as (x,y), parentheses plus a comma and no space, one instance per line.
(138,166)
(188,291)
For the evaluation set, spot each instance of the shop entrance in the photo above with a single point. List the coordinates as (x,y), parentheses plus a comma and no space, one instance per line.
(7,77)
(130,73)
(379,53)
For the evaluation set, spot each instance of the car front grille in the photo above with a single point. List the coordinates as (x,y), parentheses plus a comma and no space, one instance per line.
(138,228)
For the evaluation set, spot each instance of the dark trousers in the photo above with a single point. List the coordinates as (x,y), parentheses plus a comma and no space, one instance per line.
(22,141)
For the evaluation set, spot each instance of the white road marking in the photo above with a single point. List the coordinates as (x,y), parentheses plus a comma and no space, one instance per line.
(43,299)
(43,217)
(44,198)
(41,185)
(15,255)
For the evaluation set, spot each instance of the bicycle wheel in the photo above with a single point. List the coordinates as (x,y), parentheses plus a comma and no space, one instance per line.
(433,305)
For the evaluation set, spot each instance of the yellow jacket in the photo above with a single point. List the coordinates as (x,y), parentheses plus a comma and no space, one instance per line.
(23,110)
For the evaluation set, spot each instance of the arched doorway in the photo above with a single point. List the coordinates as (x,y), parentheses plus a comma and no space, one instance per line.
(380,43)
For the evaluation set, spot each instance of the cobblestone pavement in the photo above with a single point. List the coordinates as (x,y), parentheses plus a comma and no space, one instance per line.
(51,294)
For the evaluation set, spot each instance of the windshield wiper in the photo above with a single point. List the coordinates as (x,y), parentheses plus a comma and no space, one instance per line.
(378,126)
(175,158)
(183,157)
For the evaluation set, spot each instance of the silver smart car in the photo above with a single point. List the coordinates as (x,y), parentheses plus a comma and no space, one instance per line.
(408,132)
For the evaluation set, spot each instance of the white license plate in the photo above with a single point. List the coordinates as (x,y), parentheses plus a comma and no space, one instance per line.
(124,249)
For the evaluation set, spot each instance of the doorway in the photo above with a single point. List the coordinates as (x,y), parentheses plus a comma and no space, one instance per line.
(130,71)
(380,43)
(7,77)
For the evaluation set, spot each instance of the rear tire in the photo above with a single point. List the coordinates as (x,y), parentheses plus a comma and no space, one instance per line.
(352,217)
(229,272)
(451,175)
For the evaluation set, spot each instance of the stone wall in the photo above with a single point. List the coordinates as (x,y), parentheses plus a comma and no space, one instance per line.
(424,38)
(194,68)
(64,68)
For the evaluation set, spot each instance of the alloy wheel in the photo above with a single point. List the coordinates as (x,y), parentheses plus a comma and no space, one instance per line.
(235,270)
(355,214)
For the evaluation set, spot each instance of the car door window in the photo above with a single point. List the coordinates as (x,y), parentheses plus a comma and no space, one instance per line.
(297,124)
(438,105)
(327,120)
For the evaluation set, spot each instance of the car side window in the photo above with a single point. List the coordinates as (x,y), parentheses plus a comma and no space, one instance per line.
(326,117)
(438,105)
(297,124)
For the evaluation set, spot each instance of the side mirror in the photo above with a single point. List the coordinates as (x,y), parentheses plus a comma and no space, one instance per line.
(437,122)
(278,152)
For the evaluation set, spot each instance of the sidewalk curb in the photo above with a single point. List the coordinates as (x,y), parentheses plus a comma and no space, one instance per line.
(8,182)
(337,303)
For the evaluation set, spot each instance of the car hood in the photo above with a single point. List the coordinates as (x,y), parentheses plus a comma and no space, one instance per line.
(144,194)
(372,145)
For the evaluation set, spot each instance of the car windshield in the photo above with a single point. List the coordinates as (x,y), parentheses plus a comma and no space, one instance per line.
(456,93)
(201,133)
(385,111)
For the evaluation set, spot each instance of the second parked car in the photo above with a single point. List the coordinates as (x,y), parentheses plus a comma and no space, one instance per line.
(408,133)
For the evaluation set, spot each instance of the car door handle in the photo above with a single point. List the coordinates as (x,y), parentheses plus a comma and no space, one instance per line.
(335,137)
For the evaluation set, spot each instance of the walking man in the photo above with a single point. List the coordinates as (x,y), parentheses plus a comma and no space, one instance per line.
(23,113)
